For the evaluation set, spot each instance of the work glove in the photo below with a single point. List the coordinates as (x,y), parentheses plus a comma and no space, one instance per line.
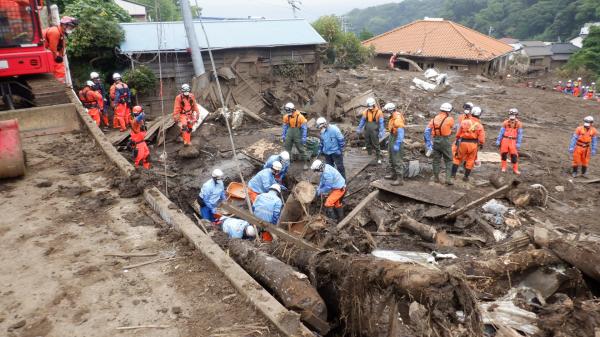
(429,151)
(358,131)
(396,147)
(571,151)
(339,152)
(593,152)
(58,59)
(518,147)
(381,134)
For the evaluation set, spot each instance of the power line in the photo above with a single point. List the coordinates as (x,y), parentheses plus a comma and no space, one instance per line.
(294,4)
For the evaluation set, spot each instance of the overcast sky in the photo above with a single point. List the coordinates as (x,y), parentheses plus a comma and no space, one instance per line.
(274,9)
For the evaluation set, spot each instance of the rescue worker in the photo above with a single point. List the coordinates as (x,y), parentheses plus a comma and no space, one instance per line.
(332,145)
(372,123)
(263,180)
(121,103)
(469,138)
(589,95)
(295,131)
(577,90)
(212,193)
(138,119)
(267,206)
(238,229)
(509,140)
(140,151)
(395,149)
(593,86)
(99,87)
(569,88)
(579,82)
(584,144)
(392,61)
(284,159)
(559,87)
(92,101)
(55,40)
(440,128)
(185,113)
(332,186)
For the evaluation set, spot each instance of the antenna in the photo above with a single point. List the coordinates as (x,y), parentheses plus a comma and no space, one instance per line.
(294,4)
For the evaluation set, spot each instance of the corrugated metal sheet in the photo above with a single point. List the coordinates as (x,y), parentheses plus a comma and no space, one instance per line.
(143,37)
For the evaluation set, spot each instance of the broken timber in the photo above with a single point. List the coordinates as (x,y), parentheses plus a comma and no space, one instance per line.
(431,194)
(282,234)
(357,209)
(482,200)
(585,255)
(292,288)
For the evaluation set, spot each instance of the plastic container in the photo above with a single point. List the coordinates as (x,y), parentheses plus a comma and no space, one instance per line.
(236,190)
(12,160)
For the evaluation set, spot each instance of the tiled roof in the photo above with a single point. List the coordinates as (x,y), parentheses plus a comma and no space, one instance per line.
(439,39)
(537,51)
(564,48)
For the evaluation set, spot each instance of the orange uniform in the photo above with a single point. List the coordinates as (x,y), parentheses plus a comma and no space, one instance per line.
(55,41)
(470,136)
(441,125)
(141,153)
(576,91)
(93,102)
(122,111)
(585,140)
(185,113)
(509,142)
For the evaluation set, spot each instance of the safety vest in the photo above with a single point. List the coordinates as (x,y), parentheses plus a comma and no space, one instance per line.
(372,115)
(60,47)
(442,125)
(186,101)
(584,136)
(124,93)
(469,129)
(511,128)
(294,120)
(396,122)
(88,101)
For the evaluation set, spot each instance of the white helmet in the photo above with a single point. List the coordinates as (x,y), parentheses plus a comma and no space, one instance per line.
(289,107)
(370,102)
(284,156)
(186,87)
(116,76)
(513,111)
(217,174)
(94,75)
(468,106)
(447,107)
(275,187)
(321,122)
(588,120)
(250,231)
(476,111)
(317,165)
(89,83)
(389,107)
(579,78)
(277,166)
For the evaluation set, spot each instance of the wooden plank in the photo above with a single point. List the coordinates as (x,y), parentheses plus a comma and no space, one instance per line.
(432,194)
(251,113)
(282,234)
(355,162)
(357,101)
(331,102)
(495,193)
(357,209)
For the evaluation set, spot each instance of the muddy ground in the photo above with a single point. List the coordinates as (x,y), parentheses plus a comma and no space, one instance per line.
(549,119)
(59,223)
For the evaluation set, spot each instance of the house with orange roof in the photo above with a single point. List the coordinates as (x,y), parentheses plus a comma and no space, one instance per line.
(441,44)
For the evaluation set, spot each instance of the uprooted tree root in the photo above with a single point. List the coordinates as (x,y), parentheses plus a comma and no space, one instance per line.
(369,295)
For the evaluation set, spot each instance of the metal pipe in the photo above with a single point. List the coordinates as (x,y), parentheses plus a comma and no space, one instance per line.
(192,39)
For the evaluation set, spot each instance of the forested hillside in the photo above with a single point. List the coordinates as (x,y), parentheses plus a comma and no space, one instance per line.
(548,20)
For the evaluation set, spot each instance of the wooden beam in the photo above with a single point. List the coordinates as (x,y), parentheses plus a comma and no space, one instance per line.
(282,234)
(480,201)
(331,103)
(357,209)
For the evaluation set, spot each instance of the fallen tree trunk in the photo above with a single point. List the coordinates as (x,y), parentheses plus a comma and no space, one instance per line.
(292,288)
(475,203)
(357,286)
(506,264)
(584,255)
(426,232)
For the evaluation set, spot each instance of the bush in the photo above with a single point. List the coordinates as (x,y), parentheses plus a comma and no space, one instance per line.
(586,59)
(141,80)
(290,69)
(344,49)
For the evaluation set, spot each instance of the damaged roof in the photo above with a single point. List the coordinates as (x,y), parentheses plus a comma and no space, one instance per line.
(142,37)
(440,39)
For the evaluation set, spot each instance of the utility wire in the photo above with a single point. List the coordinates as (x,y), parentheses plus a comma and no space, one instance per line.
(159,34)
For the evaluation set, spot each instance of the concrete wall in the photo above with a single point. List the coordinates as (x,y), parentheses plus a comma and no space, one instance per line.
(44,120)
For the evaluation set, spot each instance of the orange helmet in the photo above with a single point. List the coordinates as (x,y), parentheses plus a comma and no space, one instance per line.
(137,109)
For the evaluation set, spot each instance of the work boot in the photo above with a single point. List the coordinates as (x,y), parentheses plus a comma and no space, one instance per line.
(339,213)
(503,166)
(466,178)
(398,182)
(436,178)
(516,169)
(390,176)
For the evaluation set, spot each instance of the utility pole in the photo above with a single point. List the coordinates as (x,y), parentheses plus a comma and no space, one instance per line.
(188,23)
(294,4)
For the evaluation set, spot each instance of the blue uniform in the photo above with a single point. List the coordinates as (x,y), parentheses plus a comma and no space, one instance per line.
(267,207)
(262,181)
(211,195)
(122,90)
(332,147)
(285,166)
(330,179)
(234,228)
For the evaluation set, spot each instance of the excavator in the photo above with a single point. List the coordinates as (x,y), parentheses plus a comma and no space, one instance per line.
(26,81)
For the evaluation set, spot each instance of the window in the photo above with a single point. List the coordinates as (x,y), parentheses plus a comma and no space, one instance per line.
(16,23)
(430,65)
(420,64)
(453,67)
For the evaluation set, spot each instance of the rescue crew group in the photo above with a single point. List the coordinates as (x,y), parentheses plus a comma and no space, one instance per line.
(264,189)
(577,89)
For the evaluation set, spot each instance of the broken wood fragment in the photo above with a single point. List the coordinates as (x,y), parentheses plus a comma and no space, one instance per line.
(357,209)
(475,203)
(143,327)
(292,288)
(510,263)
(584,255)
(131,254)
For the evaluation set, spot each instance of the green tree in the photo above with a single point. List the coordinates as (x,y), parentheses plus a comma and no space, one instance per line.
(168,10)
(344,49)
(141,80)
(586,59)
(365,34)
